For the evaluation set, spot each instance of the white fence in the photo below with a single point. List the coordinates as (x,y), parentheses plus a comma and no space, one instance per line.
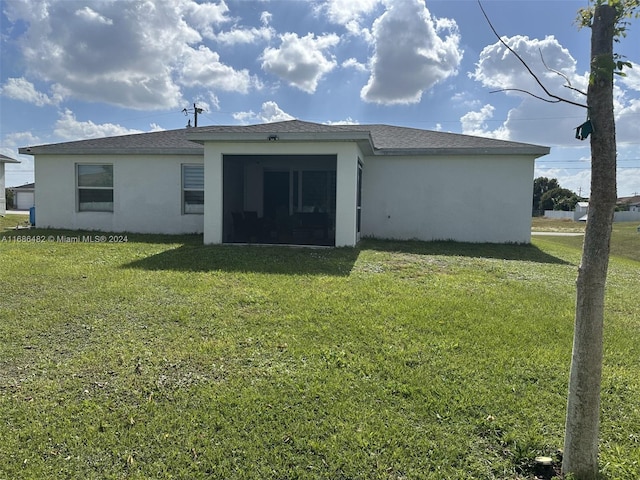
(617,216)
(626,217)
(559,214)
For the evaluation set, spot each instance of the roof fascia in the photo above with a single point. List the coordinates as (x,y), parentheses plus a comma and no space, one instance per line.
(537,151)
(362,138)
(109,151)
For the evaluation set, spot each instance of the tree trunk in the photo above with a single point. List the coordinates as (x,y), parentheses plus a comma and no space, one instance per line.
(583,408)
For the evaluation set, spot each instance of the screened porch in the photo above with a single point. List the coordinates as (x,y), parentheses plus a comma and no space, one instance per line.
(279,199)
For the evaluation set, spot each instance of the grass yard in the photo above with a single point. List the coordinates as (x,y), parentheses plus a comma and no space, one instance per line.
(162,358)
(544,224)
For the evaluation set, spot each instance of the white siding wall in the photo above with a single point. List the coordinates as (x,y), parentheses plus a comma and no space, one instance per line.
(147,194)
(468,199)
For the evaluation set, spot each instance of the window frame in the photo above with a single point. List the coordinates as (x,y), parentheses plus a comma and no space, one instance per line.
(79,188)
(184,190)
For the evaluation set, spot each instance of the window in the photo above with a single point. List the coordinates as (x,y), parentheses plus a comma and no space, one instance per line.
(95,187)
(193,188)
(318,191)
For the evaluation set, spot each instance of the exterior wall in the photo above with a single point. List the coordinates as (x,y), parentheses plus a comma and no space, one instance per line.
(213,198)
(346,181)
(147,194)
(448,198)
(3,200)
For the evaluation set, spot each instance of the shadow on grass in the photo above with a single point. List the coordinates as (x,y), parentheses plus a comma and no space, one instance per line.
(252,258)
(522,252)
(282,260)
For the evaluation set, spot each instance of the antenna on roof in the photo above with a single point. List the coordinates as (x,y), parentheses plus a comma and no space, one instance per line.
(195,110)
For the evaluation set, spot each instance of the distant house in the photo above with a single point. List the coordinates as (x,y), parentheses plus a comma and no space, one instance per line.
(3,201)
(581,211)
(291,182)
(24,196)
(634,207)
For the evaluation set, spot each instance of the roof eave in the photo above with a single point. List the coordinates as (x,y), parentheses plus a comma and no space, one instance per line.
(534,151)
(110,151)
(362,138)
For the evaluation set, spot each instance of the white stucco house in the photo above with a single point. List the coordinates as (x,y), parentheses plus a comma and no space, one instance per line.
(291,182)
(3,201)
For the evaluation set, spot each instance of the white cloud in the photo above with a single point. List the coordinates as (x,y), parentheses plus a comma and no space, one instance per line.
(270,112)
(203,67)
(353,63)
(68,128)
(134,54)
(627,118)
(628,182)
(301,61)
(346,121)
(344,11)
(19,139)
(349,13)
(410,55)
(475,123)
(24,90)
(92,16)
(498,68)
(532,120)
(265,18)
(632,77)
(239,36)
(203,16)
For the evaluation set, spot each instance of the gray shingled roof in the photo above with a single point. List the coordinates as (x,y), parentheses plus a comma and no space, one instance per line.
(26,186)
(5,159)
(169,142)
(377,139)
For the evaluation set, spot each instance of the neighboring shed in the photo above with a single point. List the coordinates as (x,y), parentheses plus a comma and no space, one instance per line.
(581,211)
(3,201)
(291,182)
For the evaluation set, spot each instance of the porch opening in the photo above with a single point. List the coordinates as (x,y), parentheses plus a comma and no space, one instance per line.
(279,199)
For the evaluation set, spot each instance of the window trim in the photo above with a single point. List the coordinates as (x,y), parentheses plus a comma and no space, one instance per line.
(82,187)
(183,190)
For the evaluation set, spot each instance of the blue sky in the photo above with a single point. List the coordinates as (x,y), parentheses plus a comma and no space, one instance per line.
(75,69)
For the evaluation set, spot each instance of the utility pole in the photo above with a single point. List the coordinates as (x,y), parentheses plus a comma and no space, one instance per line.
(195,112)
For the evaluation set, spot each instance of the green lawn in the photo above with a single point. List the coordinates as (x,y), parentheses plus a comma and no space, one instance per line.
(162,358)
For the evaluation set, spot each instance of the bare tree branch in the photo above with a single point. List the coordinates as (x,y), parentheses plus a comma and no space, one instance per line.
(528,93)
(549,94)
(557,72)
